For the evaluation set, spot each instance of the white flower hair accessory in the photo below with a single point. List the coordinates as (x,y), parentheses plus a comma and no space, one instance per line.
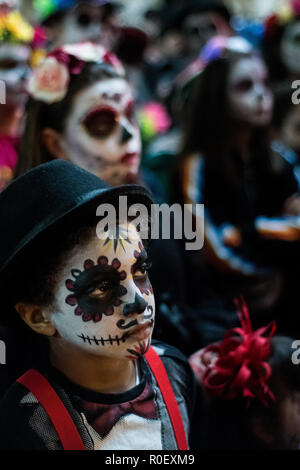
(49,81)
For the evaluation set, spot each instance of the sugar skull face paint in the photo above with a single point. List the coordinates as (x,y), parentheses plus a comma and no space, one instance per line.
(84,22)
(290,48)
(198,28)
(249,96)
(14,70)
(101,134)
(104,300)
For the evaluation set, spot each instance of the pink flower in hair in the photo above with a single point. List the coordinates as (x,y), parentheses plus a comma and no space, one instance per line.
(91,52)
(49,81)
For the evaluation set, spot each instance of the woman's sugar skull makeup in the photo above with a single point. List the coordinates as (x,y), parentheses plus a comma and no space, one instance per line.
(249,96)
(198,28)
(101,133)
(104,302)
(86,21)
(14,70)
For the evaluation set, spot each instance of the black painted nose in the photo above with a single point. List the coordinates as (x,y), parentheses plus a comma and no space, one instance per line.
(138,306)
(125,135)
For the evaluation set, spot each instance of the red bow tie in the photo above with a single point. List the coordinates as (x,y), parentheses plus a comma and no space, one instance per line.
(103,417)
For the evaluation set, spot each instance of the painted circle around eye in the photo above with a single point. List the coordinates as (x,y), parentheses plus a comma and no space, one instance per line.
(100,123)
(243,85)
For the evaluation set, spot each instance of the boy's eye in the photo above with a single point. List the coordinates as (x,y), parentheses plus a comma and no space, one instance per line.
(100,290)
(142,269)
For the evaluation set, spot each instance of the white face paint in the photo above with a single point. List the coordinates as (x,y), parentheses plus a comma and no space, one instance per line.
(290,48)
(101,135)
(14,71)
(84,22)
(104,302)
(198,28)
(290,131)
(249,96)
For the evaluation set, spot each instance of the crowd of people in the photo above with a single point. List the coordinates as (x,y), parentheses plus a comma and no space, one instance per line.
(126,343)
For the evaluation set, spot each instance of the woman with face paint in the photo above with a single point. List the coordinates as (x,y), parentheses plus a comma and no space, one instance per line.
(227,165)
(86,294)
(81,109)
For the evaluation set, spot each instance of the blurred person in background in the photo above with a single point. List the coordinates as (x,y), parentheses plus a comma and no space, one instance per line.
(74,21)
(18,41)
(184,29)
(281,43)
(250,193)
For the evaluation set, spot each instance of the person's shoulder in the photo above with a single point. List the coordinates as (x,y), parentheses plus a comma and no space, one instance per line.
(180,374)
(282,158)
(175,363)
(167,351)
(19,410)
(12,399)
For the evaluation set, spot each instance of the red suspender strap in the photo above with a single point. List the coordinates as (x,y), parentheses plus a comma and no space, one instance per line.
(54,407)
(163,382)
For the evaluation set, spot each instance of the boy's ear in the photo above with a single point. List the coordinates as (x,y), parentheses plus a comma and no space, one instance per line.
(37,319)
(263,429)
(53,143)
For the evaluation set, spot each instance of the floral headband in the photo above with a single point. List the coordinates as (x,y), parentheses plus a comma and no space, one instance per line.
(49,81)
(286,14)
(237,367)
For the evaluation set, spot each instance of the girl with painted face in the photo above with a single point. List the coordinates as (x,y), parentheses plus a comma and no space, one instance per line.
(86,292)
(81,109)
(251,390)
(227,165)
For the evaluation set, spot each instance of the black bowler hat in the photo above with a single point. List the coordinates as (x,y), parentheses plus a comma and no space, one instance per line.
(45,196)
